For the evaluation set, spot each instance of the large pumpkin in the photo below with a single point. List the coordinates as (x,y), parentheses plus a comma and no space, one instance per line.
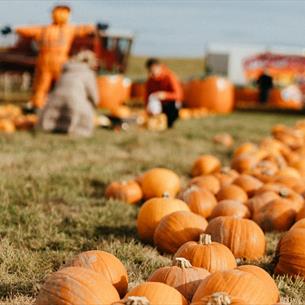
(158,294)
(242,236)
(106,264)
(128,191)
(237,283)
(208,182)
(177,228)
(152,211)
(205,165)
(206,254)
(159,181)
(230,208)
(181,276)
(199,200)
(248,183)
(232,192)
(75,285)
(291,254)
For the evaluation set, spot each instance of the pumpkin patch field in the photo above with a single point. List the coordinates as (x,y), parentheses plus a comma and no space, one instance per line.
(139,217)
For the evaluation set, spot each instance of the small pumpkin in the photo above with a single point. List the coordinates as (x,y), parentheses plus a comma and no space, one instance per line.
(75,285)
(258,201)
(248,183)
(242,236)
(226,176)
(181,276)
(158,294)
(232,192)
(177,228)
(219,298)
(206,254)
(106,264)
(277,215)
(200,201)
(247,147)
(208,182)
(301,214)
(237,283)
(128,191)
(153,210)
(157,181)
(230,208)
(224,139)
(291,254)
(205,165)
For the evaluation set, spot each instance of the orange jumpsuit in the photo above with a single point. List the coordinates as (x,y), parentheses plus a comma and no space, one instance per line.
(54,43)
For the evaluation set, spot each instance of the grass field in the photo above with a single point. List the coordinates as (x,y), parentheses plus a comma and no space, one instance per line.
(52,204)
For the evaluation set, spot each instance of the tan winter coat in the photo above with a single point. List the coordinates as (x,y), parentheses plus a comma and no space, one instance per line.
(70,107)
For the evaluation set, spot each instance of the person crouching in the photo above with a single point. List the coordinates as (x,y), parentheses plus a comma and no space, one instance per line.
(163,91)
(70,106)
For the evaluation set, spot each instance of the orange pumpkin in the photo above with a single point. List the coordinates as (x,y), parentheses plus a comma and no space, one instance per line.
(226,176)
(258,201)
(224,139)
(181,276)
(199,200)
(206,254)
(219,298)
(105,264)
(158,294)
(291,254)
(232,192)
(299,224)
(205,165)
(242,236)
(301,214)
(177,228)
(208,182)
(277,215)
(152,211)
(230,208)
(75,285)
(158,181)
(128,191)
(237,283)
(248,183)
(244,148)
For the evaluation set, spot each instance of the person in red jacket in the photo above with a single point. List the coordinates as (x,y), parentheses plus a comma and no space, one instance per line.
(163,87)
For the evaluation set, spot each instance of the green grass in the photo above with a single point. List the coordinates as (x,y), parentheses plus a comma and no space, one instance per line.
(52,204)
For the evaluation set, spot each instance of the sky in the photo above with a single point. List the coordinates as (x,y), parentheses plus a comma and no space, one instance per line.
(178,27)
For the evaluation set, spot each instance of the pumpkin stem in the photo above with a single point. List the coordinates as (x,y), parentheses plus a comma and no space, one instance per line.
(205,239)
(135,300)
(225,170)
(166,195)
(219,298)
(182,263)
(284,193)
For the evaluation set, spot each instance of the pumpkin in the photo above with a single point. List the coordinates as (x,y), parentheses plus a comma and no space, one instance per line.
(260,200)
(219,298)
(237,283)
(107,265)
(230,208)
(208,182)
(152,211)
(264,171)
(242,236)
(247,147)
(288,171)
(205,165)
(206,254)
(264,277)
(248,161)
(248,183)
(132,301)
(291,254)
(288,181)
(177,228)
(181,276)
(226,176)
(224,139)
(232,192)
(199,200)
(128,191)
(158,294)
(277,215)
(121,112)
(301,214)
(157,181)
(6,125)
(299,166)
(75,285)
(299,224)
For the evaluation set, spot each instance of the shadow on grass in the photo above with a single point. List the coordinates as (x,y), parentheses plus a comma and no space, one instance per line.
(117,232)
(97,188)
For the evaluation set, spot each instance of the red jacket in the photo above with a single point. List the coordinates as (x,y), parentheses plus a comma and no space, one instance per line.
(166,82)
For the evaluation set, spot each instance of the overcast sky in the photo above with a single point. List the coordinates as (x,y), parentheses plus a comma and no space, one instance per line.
(181,28)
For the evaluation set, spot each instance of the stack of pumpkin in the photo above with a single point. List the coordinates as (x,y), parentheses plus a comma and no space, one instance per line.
(12,119)
(97,277)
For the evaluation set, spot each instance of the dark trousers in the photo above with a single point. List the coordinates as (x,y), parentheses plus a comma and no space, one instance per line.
(264,95)
(171,111)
